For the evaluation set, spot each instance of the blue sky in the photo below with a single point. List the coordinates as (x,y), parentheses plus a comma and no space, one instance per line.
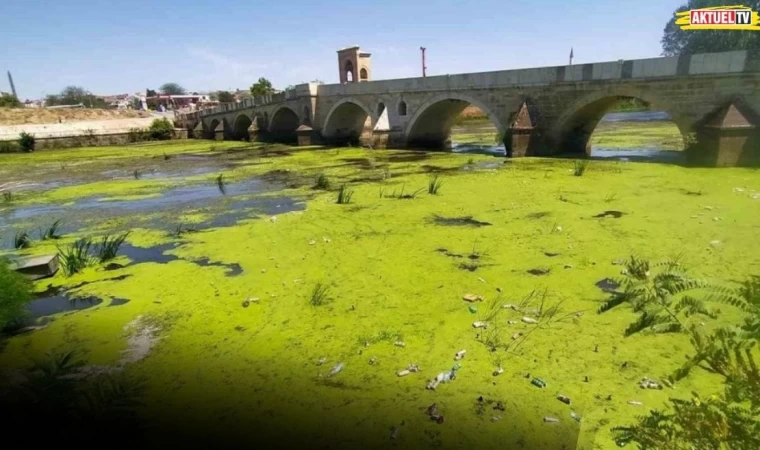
(111,47)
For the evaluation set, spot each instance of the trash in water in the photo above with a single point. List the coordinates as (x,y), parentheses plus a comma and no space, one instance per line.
(372,361)
(472,309)
(432,409)
(529,320)
(635,403)
(646,383)
(312,242)
(516,336)
(575,416)
(246,302)
(394,433)
(443,377)
(336,369)
(438,419)
(321,361)
(413,368)
(538,271)
(538,382)
(551,420)
(472,298)
(399,344)
(480,324)
(481,280)
(495,418)
(564,399)
(459,355)
(510,306)
(511,322)
(498,372)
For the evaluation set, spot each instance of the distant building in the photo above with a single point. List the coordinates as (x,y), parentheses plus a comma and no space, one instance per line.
(174,102)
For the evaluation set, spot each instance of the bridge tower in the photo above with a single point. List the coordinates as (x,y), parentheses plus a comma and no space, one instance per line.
(354,65)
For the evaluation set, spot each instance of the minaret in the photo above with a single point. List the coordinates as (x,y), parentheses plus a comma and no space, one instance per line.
(571,56)
(13,88)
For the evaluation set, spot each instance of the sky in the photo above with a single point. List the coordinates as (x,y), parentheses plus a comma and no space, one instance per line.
(111,47)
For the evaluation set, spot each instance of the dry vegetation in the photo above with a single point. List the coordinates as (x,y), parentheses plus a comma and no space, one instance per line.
(18,116)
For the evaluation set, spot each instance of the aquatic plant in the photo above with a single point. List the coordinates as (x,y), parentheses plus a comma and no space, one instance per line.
(136,174)
(221,184)
(322,182)
(434,185)
(401,194)
(75,257)
(344,195)
(22,240)
(319,295)
(26,141)
(580,166)
(51,232)
(109,246)
(15,292)
(7,196)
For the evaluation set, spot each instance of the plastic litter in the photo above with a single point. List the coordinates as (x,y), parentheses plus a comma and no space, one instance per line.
(575,416)
(511,322)
(498,372)
(480,324)
(516,335)
(564,399)
(399,344)
(472,309)
(472,298)
(635,403)
(413,368)
(372,361)
(495,418)
(647,383)
(538,382)
(432,409)
(321,361)
(551,420)
(459,355)
(336,369)
(529,320)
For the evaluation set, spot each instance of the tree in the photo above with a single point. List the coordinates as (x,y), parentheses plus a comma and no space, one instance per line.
(262,87)
(9,101)
(15,291)
(172,89)
(74,95)
(150,93)
(225,97)
(676,41)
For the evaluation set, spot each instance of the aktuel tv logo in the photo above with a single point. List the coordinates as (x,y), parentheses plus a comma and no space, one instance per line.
(719,18)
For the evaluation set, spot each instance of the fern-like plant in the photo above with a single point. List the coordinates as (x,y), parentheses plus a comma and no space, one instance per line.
(659,293)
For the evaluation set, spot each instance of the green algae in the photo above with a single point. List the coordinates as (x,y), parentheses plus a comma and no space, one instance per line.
(388,282)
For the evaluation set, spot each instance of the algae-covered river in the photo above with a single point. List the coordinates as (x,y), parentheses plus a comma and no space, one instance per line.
(257,308)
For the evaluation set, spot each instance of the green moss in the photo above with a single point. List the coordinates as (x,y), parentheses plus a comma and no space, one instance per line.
(381,260)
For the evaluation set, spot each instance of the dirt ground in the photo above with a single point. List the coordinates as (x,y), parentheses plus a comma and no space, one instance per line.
(18,116)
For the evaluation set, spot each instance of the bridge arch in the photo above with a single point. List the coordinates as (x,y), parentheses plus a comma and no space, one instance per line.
(211,130)
(240,126)
(347,122)
(576,124)
(284,124)
(430,125)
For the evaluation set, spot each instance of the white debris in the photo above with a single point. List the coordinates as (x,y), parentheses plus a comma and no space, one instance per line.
(635,403)
(480,324)
(529,320)
(459,355)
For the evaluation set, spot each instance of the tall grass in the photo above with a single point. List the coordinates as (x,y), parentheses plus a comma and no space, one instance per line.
(22,240)
(51,232)
(344,195)
(221,184)
(75,257)
(109,246)
(580,166)
(322,182)
(434,185)
(319,295)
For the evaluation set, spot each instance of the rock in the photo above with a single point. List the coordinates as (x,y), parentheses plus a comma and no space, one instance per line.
(36,267)
(538,271)
(472,298)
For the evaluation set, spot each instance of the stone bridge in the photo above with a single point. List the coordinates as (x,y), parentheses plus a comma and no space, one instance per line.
(713,99)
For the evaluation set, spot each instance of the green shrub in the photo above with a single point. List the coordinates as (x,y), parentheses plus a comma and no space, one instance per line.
(161,129)
(9,147)
(15,291)
(9,101)
(137,135)
(26,141)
